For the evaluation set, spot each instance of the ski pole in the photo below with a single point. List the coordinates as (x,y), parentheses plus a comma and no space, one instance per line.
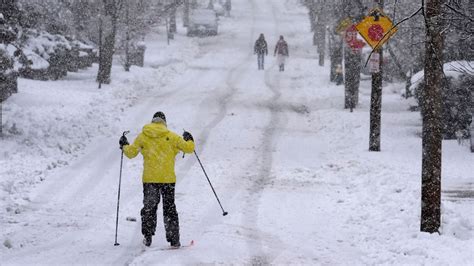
(118,197)
(224,213)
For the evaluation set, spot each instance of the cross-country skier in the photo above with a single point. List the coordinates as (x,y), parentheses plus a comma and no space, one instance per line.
(260,48)
(159,147)
(281,51)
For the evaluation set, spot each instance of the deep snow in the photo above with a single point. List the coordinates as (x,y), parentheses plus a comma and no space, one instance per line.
(289,164)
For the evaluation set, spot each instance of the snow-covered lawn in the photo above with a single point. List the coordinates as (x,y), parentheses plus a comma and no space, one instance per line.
(289,164)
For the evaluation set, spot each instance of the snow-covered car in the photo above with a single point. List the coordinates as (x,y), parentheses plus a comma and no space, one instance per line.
(202,22)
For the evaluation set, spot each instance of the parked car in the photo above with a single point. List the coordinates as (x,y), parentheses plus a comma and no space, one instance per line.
(202,22)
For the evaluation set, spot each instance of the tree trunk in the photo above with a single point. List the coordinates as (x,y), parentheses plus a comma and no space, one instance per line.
(321,42)
(335,54)
(1,116)
(127,40)
(194,4)
(173,27)
(352,66)
(107,49)
(432,134)
(186,13)
(106,58)
(312,18)
(9,10)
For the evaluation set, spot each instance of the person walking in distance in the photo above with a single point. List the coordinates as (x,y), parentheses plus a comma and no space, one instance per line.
(159,147)
(260,48)
(339,76)
(281,51)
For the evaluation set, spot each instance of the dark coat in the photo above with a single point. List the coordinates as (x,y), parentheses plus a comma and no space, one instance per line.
(260,46)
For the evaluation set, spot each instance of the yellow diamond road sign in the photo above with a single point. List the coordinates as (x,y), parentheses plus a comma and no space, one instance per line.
(374,27)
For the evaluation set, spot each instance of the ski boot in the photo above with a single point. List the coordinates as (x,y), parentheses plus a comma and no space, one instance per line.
(175,244)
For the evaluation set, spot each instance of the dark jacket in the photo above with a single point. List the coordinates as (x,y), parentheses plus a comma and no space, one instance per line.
(260,46)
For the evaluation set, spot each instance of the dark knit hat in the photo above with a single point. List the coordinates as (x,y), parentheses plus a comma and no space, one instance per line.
(159,117)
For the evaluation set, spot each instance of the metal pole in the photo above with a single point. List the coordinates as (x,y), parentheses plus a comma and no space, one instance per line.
(376,100)
(118,201)
(118,194)
(224,213)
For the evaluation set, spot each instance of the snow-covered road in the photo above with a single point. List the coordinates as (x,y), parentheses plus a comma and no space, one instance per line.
(289,164)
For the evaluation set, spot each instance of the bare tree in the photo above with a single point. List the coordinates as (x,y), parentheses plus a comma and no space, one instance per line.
(109,20)
(172,16)
(352,59)
(186,13)
(127,63)
(432,126)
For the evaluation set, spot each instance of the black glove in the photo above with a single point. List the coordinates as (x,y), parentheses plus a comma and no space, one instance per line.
(123,141)
(187,136)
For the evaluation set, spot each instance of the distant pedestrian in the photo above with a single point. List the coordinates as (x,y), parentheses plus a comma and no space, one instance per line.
(261,49)
(281,51)
(159,147)
(339,77)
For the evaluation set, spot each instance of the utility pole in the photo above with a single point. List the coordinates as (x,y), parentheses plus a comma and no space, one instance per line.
(432,126)
(376,98)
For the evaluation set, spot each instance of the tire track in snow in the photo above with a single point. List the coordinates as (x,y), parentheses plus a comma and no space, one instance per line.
(95,173)
(232,81)
(75,187)
(265,159)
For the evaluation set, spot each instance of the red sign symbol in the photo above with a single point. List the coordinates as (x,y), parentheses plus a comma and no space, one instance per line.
(351,34)
(376,32)
(351,39)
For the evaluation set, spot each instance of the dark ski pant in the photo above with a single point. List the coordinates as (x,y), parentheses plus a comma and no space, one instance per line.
(151,198)
(260,60)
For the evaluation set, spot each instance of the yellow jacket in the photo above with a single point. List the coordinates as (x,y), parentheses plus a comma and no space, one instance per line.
(159,147)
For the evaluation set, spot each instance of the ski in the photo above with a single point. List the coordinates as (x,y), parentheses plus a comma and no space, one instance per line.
(183,246)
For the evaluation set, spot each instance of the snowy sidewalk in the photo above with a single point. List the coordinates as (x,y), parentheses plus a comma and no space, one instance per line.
(289,164)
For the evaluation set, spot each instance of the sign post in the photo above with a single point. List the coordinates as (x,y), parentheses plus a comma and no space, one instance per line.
(376,29)
(374,63)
